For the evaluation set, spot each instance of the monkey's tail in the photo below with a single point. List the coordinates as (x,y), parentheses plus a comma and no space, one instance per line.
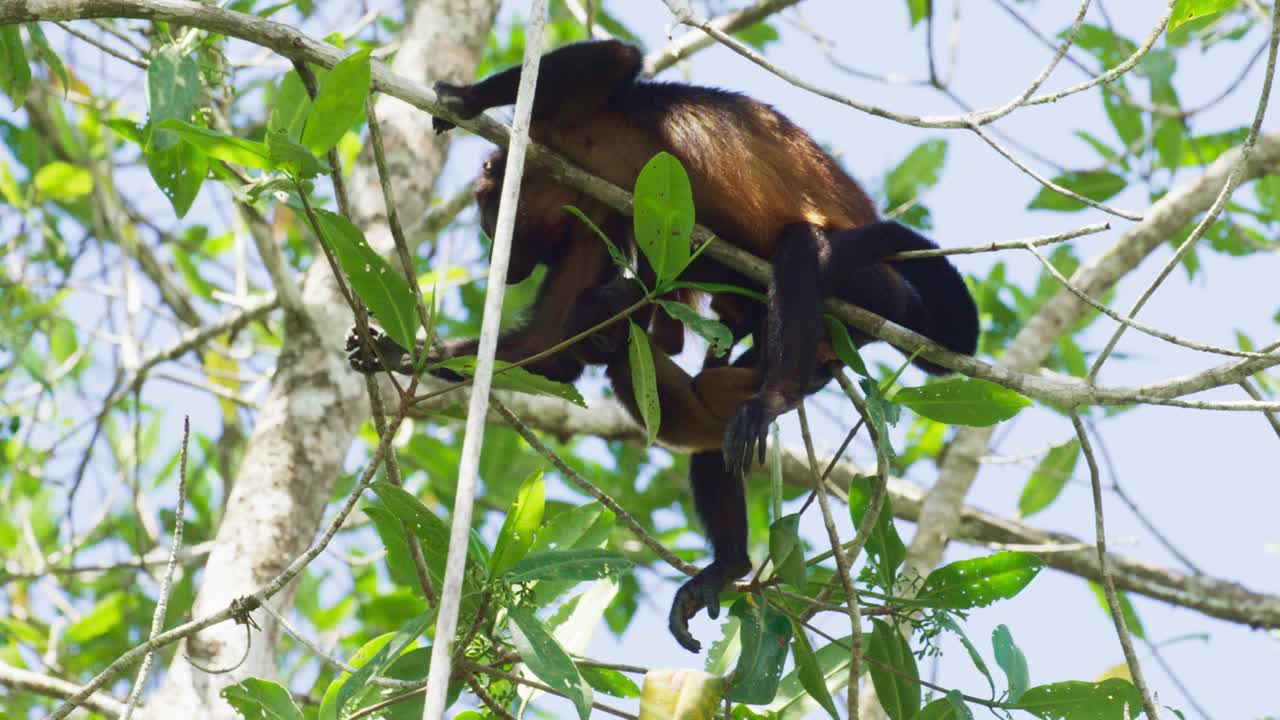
(937,301)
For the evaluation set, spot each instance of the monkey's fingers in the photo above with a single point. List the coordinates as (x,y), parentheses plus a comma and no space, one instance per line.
(746,436)
(686,605)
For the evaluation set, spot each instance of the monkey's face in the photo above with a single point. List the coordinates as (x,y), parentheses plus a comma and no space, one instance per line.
(489,191)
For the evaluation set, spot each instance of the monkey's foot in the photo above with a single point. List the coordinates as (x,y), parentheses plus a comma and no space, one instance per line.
(701,591)
(455,98)
(747,436)
(369,360)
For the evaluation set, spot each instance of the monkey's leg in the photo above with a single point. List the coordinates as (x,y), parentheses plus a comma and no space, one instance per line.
(574,79)
(721,502)
(694,412)
(790,343)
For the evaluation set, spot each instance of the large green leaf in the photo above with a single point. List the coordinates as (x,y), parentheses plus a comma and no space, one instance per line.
(15,73)
(221,146)
(547,660)
(173,92)
(664,215)
(257,699)
(979,582)
(577,564)
(357,683)
(809,672)
(339,102)
(893,672)
(963,401)
(382,288)
(179,172)
(522,522)
(884,545)
(1112,699)
(765,635)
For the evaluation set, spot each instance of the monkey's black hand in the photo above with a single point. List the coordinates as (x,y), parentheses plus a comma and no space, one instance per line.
(455,98)
(747,436)
(367,360)
(701,591)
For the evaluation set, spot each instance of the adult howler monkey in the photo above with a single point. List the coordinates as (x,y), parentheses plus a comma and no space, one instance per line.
(758,182)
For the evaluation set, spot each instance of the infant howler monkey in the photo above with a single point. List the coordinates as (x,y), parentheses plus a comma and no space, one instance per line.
(760,183)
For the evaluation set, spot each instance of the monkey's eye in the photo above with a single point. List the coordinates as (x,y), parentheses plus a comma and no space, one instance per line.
(488,167)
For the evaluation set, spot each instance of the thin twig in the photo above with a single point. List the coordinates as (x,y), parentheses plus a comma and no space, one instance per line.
(166,584)
(1108,582)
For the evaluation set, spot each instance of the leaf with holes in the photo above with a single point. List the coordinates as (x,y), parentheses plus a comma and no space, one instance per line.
(765,634)
(547,660)
(979,582)
(1112,699)
(644,382)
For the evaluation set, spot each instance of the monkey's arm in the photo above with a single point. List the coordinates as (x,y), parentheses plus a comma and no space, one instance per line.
(574,79)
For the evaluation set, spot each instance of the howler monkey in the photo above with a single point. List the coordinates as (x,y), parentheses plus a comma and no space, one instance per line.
(760,183)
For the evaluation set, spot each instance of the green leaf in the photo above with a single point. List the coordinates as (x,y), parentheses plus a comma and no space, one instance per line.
(664,215)
(392,645)
(1124,117)
(947,623)
(221,146)
(963,401)
(522,521)
(919,171)
(979,582)
(46,53)
(787,552)
(105,616)
(765,635)
(179,172)
(290,106)
(884,545)
(1112,699)
(1098,185)
(15,73)
(1204,149)
(844,346)
(580,526)
(547,660)
(809,672)
(292,157)
(794,701)
(378,284)
(680,694)
(719,338)
(173,92)
(339,102)
(577,564)
(257,699)
(610,682)
(1010,659)
(899,691)
(62,181)
(644,382)
(1130,615)
(919,10)
(949,707)
(1188,10)
(518,379)
(1050,476)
